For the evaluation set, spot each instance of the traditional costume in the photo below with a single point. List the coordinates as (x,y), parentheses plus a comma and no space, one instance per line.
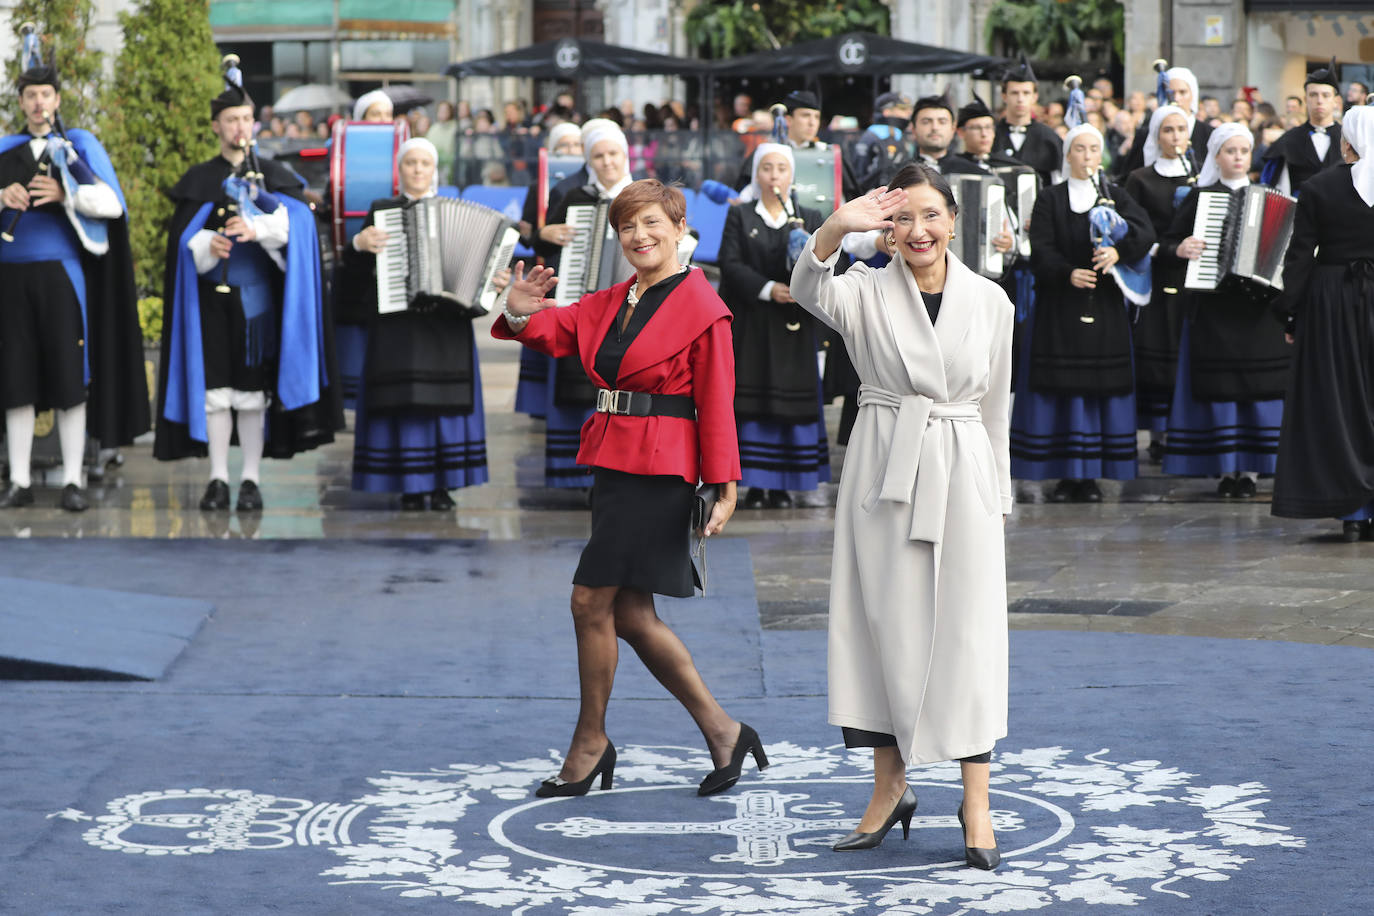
(1074,416)
(1326,450)
(420,427)
(247,334)
(1035,144)
(782,439)
(918,603)
(1155,187)
(69,330)
(1307,149)
(1198,130)
(571,397)
(1232,364)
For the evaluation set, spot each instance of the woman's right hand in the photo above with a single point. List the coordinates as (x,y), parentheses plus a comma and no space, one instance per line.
(371,238)
(1191,248)
(556,234)
(1083,278)
(527,292)
(871,211)
(781,293)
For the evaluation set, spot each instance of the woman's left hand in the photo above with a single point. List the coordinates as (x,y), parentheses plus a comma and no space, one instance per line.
(1104,259)
(724,508)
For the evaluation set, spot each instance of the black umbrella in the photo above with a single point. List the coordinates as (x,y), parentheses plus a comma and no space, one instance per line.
(404,98)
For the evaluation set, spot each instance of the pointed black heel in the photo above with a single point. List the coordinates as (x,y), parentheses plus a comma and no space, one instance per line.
(906,807)
(720,779)
(986,859)
(557,787)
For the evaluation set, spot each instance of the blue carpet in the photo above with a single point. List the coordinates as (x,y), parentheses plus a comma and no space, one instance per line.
(281,766)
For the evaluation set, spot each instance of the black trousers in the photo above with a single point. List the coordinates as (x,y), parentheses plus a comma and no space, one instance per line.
(41,338)
(858,737)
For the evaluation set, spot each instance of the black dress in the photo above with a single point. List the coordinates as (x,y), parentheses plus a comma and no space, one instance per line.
(640,522)
(1157,330)
(1326,450)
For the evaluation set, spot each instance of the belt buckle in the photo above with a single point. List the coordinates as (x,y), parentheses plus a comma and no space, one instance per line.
(610,401)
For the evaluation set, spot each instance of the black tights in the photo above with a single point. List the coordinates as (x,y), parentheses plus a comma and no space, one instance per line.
(858,737)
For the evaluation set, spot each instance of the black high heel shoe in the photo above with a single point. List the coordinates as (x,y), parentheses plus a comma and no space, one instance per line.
(722,778)
(986,859)
(558,787)
(906,807)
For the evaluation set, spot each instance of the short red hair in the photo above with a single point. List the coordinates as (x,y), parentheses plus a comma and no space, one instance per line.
(646,193)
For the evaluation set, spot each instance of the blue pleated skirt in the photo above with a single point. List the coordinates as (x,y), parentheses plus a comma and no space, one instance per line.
(350,340)
(784,456)
(1213,438)
(562,438)
(421,452)
(531,386)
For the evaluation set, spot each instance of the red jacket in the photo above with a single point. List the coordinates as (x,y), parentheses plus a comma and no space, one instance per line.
(684,349)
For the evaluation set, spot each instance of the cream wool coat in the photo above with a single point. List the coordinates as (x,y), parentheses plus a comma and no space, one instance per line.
(918,594)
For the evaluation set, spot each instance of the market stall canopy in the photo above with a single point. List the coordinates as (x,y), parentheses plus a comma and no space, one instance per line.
(572,58)
(859,54)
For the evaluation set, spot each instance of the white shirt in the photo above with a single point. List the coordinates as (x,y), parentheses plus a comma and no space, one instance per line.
(1170,168)
(96,201)
(1082,195)
(767,292)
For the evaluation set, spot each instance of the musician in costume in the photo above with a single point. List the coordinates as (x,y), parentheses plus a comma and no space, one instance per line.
(803,122)
(1155,186)
(246,347)
(375,107)
(782,439)
(571,396)
(1019,135)
(933,127)
(657,347)
(1074,413)
(69,332)
(1179,86)
(1233,360)
(1313,145)
(1326,450)
(420,428)
(564,140)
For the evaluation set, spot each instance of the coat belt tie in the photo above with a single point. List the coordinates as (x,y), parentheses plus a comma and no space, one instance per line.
(916,445)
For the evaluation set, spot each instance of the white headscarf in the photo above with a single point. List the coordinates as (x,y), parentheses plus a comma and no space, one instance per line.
(1211,172)
(763,150)
(367,100)
(1156,121)
(560,130)
(1183,73)
(1074,133)
(598,129)
(1358,130)
(425,146)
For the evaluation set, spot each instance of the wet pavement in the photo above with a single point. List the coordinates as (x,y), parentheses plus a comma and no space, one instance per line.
(1159,555)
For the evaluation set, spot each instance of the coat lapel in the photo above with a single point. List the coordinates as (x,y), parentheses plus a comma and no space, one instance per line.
(668,330)
(956,310)
(912,331)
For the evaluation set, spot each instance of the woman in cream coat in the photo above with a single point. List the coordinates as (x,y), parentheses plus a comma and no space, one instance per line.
(918,604)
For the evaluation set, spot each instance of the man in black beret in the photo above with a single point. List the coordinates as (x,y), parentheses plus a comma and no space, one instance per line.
(1312,146)
(1019,135)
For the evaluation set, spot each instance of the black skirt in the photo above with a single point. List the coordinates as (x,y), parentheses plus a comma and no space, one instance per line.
(639,534)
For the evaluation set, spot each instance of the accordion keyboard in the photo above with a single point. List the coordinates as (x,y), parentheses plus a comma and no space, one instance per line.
(393,261)
(1206,271)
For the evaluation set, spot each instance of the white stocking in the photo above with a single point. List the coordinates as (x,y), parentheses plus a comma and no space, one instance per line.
(19,438)
(250,441)
(219,427)
(71,435)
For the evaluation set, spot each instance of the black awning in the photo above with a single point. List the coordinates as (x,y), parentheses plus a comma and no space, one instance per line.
(859,54)
(574,58)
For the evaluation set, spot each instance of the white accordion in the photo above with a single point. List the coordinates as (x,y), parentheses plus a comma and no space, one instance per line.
(445,248)
(593,260)
(982,217)
(1247,234)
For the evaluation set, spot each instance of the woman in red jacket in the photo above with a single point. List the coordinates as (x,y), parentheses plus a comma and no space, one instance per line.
(658,349)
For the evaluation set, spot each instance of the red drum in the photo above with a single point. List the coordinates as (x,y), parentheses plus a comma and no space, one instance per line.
(362,168)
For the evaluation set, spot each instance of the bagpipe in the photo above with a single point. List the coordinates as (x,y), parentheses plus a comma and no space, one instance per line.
(245,193)
(1165,96)
(797,236)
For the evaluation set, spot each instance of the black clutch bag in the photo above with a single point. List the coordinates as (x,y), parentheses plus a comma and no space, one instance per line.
(703,505)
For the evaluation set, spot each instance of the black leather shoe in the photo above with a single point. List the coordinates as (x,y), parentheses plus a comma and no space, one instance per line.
(440,501)
(412,502)
(1367,531)
(74,498)
(755,498)
(1350,531)
(1245,488)
(720,779)
(1155,452)
(905,808)
(986,859)
(17,497)
(250,497)
(216,496)
(1064,491)
(1089,492)
(1227,487)
(558,787)
(779,499)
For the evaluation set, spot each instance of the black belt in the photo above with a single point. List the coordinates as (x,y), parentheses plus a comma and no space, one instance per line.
(643,404)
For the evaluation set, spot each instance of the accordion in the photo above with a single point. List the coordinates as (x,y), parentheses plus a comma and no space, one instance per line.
(1023,187)
(1247,234)
(593,259)
(982,217)
(445,248)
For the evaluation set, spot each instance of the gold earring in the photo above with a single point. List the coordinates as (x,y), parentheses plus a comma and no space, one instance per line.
(951,235)
(891,240)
